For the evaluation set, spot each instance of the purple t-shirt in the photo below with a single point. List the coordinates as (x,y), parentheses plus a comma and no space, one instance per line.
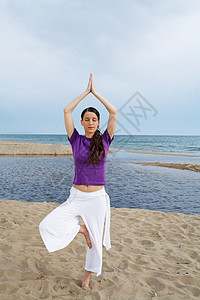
(84,172)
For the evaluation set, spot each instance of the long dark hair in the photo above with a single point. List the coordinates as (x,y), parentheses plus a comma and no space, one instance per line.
(96,143)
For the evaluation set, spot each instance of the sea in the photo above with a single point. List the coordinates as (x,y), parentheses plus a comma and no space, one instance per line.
(49,179)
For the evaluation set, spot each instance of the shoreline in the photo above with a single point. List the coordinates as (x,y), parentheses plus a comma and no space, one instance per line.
(189,167)
(159,153)
(144,210)
(10,148)
(152,254)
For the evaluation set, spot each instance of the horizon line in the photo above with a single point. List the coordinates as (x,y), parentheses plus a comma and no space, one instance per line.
(31,133)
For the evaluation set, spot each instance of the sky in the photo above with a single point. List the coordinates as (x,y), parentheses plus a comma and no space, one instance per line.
(144,57)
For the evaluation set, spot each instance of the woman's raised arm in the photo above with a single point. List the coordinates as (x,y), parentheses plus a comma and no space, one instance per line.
(112,121)
(71,106)
(111,108)
(69,124)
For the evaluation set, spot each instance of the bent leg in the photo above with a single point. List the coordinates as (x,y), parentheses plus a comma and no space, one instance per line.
(93,217)
(60,227)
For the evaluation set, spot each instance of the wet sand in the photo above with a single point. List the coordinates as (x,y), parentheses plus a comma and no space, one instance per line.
(190,167)
(158,153)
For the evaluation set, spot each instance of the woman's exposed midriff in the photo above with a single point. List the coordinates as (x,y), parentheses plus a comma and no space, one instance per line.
(88,188)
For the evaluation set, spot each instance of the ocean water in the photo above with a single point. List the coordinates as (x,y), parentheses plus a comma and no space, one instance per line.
(189,145)
(39,179)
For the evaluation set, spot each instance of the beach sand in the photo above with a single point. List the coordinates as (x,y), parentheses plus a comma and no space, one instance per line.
(154,255)
(19,148)
(8,148)
(190,167)
(160,153)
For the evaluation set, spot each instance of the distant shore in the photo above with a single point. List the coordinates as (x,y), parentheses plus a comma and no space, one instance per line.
(189,167)
(159,153)
(10,148)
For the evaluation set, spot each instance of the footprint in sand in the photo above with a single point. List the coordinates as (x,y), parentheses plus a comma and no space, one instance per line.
(62,259)
(43,268)
(147,243)
(128,240)
(44,289)
(123,265)
(117,247)
(193,254)
(60,283)
(189,280)
(81,250)
(108,268)
(5,247)
(106,283)
(9,288)
(154,283)
(31,275)
(193,290)
(13,273)
(179,260)
(141,261)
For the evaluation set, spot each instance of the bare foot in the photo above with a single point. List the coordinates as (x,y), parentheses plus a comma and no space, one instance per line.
(86,283)
(83,230)
(86,279)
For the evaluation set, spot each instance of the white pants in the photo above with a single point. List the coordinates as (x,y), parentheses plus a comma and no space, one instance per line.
(61,226)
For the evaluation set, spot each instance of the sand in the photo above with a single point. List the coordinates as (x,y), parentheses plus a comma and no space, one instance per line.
(154,255)
(19,148)
(189,167)
(159,153)
(8,148)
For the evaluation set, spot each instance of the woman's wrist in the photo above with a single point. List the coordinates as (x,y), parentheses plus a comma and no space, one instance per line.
(86,92)
(94,92)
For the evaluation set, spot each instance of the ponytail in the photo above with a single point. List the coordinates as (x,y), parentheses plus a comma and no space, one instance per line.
(96,147)
(96,143)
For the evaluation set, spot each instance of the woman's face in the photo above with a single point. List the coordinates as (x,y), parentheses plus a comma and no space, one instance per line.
(90,122)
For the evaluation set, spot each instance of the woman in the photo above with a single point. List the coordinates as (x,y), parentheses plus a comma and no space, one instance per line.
(88,198)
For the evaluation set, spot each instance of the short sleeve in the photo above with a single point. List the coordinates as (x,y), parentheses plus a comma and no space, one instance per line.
(107,137)
(74,137)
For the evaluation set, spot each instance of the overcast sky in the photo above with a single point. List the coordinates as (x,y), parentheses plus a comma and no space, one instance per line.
(49,48)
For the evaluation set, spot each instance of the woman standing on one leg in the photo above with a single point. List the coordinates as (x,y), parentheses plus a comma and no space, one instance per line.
(88,198)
